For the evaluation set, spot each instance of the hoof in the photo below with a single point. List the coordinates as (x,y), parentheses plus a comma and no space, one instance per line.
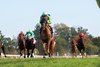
(5,56)
(45,54)
(44,57)
(31,55)
(24,57)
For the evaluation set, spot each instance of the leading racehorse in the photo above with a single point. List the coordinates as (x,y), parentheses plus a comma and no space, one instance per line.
(47,40)
(2,47)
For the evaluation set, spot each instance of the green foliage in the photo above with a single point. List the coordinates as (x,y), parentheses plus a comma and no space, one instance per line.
(98,2)
(61,45)
(37,36)
(10,44)
(61,30)
(96,41)
(91,49)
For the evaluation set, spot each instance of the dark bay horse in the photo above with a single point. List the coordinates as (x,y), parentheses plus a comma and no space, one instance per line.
(78,45)
(30,46)
(47,40)
(2,47)
(21,45)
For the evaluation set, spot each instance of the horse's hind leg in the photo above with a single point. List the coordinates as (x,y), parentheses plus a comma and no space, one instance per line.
(32,52)
(20,52)
(51,50)
(28,53)
(3,50)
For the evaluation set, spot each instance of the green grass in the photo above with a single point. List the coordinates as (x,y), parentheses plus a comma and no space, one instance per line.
(50,62)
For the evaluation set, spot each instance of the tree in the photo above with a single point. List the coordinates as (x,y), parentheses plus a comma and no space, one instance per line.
(61,30)
(37,36)
(1,37)
(98,2)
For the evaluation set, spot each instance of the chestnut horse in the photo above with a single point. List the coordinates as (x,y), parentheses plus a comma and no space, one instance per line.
(74,49)
(47,40)
(2,47)
(21,44)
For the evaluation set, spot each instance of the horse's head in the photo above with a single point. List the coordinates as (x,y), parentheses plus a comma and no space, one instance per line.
(44,22)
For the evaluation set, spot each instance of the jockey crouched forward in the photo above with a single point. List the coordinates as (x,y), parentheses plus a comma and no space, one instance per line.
(30,35)
(81,44)
(20,36)
(47,17)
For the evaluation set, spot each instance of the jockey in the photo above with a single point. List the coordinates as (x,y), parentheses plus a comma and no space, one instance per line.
(48,21)
(81,41)
(29,34)
(21,33)
(82,35)
(44,15)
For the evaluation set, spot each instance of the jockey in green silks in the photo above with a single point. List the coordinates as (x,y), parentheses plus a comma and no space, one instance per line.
(29,34)
(48,21)
(48,15)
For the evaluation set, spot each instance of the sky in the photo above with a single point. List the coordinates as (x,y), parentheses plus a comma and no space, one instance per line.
(23,15)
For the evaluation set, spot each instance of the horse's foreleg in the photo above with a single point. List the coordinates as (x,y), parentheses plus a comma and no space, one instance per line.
(52,49)
(3,50)
(44,50)
(28,53)
(32,52)
(20,52)
(48,46)
(24,53)
(0,53)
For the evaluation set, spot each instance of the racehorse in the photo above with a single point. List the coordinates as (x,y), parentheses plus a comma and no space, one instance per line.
(78,44)
(2,47)
(30,46)
(74,49)
(47,40)
(21,45)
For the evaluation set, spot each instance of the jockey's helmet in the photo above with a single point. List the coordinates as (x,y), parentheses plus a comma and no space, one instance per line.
(45,14)
(81,34)
(21,32)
